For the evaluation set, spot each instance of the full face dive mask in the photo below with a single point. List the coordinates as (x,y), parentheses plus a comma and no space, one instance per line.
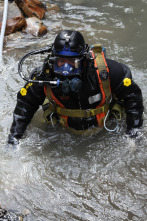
(66,66)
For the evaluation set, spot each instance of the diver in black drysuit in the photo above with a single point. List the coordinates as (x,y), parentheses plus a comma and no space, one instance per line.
(132,100)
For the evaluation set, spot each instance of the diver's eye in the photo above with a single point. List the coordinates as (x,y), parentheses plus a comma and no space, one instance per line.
(71,61)
(62,61)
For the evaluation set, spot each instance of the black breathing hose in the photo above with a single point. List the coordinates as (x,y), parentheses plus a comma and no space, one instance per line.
(51,83)
(40,51)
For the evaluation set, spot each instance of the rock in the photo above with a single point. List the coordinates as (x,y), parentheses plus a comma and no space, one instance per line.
(52,7)
(35,27)
(32,8)
(15,20)
(26,212)
(7,215)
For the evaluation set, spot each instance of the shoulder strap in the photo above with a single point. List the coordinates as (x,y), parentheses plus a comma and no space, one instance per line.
(102,69)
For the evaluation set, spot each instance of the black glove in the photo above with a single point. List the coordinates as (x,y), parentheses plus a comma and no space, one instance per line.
(12,140)
(133,133)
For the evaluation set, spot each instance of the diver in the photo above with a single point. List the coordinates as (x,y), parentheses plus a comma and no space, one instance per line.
(78,87)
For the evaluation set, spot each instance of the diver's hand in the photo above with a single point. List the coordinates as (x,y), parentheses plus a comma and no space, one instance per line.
(12,140)
(133,132)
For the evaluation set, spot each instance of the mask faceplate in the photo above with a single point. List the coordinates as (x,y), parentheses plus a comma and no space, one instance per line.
(67,66)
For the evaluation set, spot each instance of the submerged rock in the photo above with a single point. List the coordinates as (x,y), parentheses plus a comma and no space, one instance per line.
(52,7)
(10,215)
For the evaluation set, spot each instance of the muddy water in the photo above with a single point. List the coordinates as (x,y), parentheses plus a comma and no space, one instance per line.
(60,176)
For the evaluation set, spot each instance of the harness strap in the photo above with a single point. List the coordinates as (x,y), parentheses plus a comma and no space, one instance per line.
(103,70)
(97,49)
(79,112)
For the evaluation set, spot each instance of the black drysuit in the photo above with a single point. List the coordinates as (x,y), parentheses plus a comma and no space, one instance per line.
(132,100)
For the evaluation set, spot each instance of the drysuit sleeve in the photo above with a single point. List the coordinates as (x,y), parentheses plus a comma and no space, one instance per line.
(29,98)
(125,88)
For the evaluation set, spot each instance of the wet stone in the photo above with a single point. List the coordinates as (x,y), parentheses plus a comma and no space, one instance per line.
(15,20)
(32,8)
(35,27)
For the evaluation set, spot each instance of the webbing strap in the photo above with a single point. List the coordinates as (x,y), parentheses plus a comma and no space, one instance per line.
(78,112)
(101,65)
(97,49)
(49,94)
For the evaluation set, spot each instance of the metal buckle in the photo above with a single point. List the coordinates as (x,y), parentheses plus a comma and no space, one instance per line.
(88,113)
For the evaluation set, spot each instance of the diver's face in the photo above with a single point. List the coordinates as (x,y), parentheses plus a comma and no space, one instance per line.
(62,60)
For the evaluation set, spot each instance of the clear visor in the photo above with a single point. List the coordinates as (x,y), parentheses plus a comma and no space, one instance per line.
(67,66)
